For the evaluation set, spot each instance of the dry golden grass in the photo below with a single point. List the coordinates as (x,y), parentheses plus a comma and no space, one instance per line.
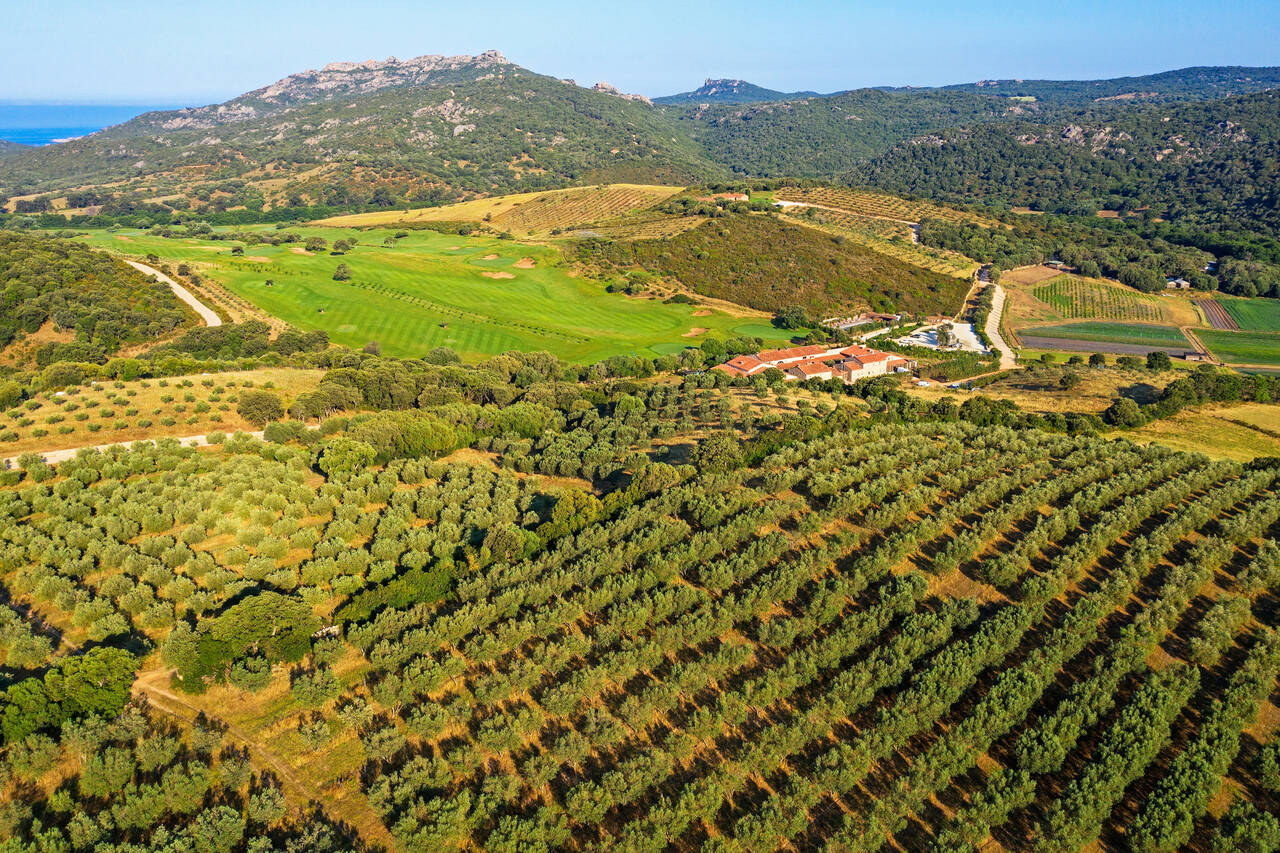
(527,213)
(146,398)
(1211,432)
(1039,391)
(1029,275)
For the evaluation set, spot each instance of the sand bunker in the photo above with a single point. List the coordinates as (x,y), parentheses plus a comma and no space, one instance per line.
(694,332)
(498,275)
(490,258)
(703,312)
(261,259)
(453,248)
(298,250)
(524,264)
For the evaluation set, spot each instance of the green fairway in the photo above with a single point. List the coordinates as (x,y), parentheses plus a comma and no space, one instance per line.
(1254,315)
(431,290)
(1118,333)
(1242,347)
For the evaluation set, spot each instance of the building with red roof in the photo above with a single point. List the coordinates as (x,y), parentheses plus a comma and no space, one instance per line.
(816,361)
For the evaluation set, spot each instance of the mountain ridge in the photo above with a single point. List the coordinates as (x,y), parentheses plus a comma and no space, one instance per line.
(730,91)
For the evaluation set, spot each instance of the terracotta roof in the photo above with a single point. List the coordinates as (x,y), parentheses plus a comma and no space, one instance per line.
(792,352)
(810,368)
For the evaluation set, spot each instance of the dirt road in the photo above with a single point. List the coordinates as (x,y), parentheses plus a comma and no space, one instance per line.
(53,457)
(1007,361)
(207,314)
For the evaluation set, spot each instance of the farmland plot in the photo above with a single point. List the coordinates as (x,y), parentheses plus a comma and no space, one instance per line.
(747,653)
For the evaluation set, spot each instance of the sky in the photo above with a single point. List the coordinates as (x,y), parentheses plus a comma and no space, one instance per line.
(194,52)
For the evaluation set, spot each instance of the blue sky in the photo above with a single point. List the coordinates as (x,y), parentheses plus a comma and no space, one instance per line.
(127,51)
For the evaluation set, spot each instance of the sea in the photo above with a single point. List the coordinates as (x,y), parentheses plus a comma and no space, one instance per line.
(45,124)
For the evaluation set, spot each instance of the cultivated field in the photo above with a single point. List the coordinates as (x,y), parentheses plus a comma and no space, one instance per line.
(528,214)
(1218,317)
(1254,315)
(876,205)
(810,650)
(479,296)
(1137,334)
(1075,298)
(109,411)
(1243,347)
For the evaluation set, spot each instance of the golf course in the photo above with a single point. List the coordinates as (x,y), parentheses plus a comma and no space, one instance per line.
(423,289)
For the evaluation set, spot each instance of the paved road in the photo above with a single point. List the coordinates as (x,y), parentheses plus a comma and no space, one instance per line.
(207,314)
(1007,361)
(53,457)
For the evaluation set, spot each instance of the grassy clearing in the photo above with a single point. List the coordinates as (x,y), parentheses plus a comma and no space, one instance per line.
(1254,315)
(1242,347)
(1211,432)
(527,214)
(479,296)
(151,408)
(1119,333)
(1038,390)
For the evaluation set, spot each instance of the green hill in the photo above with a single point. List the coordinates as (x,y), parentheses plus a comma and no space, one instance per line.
(425,130)
(94,302)
(1211,163)
(771,264)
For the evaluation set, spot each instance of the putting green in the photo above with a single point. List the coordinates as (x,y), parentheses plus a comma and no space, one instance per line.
(476,295)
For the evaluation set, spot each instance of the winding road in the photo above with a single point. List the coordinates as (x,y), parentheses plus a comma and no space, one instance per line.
(1007,361)
(206,313)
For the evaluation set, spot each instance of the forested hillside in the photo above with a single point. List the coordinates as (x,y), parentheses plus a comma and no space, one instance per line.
(484,126)
(1183,84)
(1207,163)
(765,262)
(828,136)
(100,300)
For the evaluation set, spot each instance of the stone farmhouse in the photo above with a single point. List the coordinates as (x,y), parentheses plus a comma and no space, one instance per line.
(846,363)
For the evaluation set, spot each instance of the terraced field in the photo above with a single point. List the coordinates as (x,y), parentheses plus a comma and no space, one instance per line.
(1081,299)
(886,237)
(528,214)
(876,205)
(478,296)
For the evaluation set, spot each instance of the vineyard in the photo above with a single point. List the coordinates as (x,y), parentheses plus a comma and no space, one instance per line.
(809,641)
(1079,299)
(884,237)
(875,205)
(528,214)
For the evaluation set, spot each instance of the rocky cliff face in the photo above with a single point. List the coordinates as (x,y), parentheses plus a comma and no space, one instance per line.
(336,80)
(343,78)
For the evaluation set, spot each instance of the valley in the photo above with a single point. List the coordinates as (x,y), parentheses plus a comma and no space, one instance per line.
(437,454)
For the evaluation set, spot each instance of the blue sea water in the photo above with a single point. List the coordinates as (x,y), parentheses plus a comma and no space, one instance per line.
(43,124)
